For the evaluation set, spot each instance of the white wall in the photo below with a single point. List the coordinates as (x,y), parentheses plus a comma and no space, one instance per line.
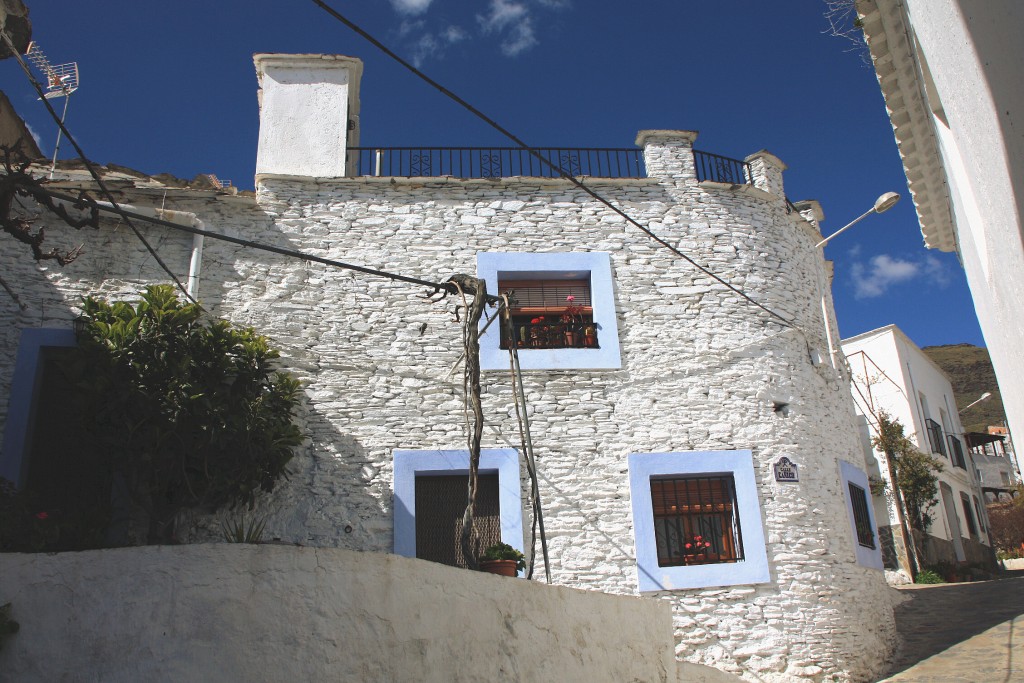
(228,612)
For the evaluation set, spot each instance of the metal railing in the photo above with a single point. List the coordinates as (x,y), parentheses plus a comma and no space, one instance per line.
(722,169)
(935,439)
(494,162)
(956,452)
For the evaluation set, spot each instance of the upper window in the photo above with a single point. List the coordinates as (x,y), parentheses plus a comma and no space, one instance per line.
(550,314)
(696,520)
(861,515)
(563,311)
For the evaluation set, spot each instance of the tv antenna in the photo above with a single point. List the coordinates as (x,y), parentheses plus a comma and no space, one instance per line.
(61,81)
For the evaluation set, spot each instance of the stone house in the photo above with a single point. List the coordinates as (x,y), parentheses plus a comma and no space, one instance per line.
(891,374)
(685,411)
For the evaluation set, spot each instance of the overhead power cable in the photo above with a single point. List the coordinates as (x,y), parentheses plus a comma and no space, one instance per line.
(89,164)
(543,160)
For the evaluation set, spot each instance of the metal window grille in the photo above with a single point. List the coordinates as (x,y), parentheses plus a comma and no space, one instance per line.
(972,527)
(956,452)
(981,517)
(935,439)
(541,317)
(440,504)
(695,520)
(861,517)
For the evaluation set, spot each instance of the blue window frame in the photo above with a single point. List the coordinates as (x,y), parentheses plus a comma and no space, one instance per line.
(747,565)
(571,267)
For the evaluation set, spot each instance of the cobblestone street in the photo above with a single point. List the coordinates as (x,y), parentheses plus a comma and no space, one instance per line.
(971,632)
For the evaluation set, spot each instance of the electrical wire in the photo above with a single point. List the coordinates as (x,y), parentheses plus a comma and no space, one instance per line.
(555,167)
(436,286)
(89,164)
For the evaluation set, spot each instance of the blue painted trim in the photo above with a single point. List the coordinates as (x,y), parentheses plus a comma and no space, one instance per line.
(491,265)
(410,464)
(865,556)
(21,405)
(740,464)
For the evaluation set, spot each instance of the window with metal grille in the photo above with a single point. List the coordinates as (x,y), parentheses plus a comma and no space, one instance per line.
(550,314)
(440,504)
(695,520)
(981,515)
(861,517)
(965,503)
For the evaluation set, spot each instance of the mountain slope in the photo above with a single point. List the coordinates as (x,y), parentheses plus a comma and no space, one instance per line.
(970,371)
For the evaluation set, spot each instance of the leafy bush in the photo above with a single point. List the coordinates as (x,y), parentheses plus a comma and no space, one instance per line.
(915,471)
(1006,526)
(187,413)
(928,576)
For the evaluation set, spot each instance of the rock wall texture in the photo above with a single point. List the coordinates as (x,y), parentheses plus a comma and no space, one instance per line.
(702,369)
(275,613)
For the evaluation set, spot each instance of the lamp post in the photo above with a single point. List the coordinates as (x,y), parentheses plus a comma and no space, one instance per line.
(882,204)
(984,397)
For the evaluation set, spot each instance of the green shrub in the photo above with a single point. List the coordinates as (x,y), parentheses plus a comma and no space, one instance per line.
(928,576)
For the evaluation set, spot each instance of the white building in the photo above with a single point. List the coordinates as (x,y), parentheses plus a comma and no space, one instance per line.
(950,72)
(892,375)
(691,412)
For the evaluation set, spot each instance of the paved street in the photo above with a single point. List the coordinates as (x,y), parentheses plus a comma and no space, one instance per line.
(964,632)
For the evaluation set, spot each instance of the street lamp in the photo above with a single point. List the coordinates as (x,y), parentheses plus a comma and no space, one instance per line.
(984,397)
(882,204)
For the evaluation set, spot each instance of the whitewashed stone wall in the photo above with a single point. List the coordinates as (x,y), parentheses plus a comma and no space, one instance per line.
(273,613)
(701,370)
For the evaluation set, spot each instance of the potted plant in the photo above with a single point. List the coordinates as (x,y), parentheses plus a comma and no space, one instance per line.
(502,559)
(573,318)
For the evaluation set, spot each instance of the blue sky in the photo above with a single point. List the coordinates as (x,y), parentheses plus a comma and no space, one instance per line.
(170,87)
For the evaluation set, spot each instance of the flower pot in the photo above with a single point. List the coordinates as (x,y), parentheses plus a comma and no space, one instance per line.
(500,567)
(570,338)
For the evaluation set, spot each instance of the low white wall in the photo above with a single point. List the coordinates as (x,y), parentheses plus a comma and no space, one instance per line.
(225,612)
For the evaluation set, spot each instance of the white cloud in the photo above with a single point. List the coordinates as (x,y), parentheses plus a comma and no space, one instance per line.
(556,4)
(513,20)
(881,272)
(411,7)
(430,45)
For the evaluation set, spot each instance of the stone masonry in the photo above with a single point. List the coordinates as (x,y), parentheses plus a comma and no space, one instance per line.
(702,369)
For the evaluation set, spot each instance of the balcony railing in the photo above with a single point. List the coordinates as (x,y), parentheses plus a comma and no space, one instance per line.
(494,162)
(508,162)
(722,169)
(956,452)
(935,436)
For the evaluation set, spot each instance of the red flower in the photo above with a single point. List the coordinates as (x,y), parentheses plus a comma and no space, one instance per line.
(41,515)
(535,321)
(688,546)
(570,298)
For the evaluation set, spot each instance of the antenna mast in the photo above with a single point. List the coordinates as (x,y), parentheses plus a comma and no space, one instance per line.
(61,81)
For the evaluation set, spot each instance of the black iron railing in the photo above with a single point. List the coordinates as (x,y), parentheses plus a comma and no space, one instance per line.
(956,452)
(861,516)
(549,335)
(494,162)
(935,439)
(695,520)
(722,169)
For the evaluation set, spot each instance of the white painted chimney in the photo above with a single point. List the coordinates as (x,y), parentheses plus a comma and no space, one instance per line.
(309,114)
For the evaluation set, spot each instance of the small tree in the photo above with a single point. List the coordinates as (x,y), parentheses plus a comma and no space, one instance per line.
(915,471)
(188,414)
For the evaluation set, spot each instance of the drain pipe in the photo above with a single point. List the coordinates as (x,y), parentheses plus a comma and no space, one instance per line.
(181,218)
